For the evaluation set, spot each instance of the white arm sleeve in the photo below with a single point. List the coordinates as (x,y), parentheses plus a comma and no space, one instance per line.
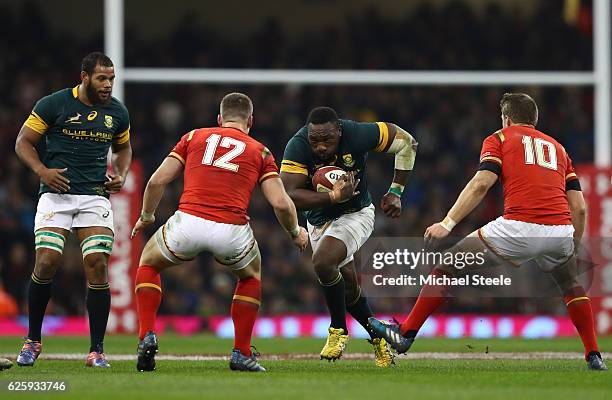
(404,148)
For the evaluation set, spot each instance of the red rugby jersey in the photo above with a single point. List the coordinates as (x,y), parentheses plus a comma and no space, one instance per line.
(222,167)
(534,171)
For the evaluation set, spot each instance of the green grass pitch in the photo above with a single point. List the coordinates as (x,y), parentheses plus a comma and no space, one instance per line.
(311,378)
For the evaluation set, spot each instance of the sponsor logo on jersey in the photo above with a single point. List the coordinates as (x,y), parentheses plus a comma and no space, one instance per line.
(89,135)
(73,120)
(92,115)
(108,121)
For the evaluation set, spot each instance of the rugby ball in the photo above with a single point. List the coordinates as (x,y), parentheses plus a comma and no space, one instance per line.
(325,177)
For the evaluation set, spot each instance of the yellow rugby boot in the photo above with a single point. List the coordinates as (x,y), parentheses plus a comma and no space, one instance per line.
(382,356)
(334,347)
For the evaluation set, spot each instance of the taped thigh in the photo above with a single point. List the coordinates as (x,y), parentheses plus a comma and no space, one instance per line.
(97,244)
(49,240)
(167,252)
(241,260)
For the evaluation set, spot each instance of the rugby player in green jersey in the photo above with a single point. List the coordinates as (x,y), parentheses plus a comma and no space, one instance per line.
(339,222)
(79,125)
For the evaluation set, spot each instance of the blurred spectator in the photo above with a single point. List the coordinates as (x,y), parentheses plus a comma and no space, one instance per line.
(8,305)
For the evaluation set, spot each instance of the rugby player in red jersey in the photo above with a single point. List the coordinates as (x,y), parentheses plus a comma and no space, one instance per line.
(543,221)
(221,168)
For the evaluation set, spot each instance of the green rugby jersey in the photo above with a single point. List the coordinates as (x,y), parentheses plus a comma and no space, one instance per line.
(78,137)
(358,138)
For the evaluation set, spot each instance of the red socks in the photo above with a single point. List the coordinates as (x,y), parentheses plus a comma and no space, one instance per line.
(430,298)
(148,298)
(579,310)
(245,306)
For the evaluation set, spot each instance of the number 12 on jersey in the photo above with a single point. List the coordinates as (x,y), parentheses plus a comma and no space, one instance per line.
(543,149)
(237,147)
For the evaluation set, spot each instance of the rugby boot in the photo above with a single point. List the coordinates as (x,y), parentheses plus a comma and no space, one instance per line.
(97,359)
(240,362)
(595,362)
(147,349)
(382,356)
(29,353)
(335,345)
(391,333)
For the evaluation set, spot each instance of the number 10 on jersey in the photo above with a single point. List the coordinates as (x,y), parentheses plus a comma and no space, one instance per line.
(543,149)
(237,147)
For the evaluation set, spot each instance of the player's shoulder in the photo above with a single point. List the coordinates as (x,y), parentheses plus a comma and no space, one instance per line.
(548,138)
(499,136)
(118,105)
(59,96)
(301,134)
(348,125)
(299,139)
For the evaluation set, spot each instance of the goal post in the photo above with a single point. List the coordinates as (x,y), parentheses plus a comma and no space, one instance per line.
(599,78)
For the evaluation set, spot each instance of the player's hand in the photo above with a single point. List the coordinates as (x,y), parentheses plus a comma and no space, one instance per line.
(346,188)
(140,224)
(301,240)
(435,233)
(391,204)
(114,184)
(53,178)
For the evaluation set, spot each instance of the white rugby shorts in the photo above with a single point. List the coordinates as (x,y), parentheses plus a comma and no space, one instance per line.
(184,236)
(68,211)
(519,242)
(353,229)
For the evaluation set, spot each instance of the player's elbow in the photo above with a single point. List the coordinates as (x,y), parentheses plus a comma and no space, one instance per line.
(157,180)
(577,204)
(282,204)
(480,186)
(19,143)
(579,210)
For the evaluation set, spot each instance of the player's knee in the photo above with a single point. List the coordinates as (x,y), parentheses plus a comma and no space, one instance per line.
(152,255)
(252,270)
(248,272)
(46,265)
(325,268)
(96,267)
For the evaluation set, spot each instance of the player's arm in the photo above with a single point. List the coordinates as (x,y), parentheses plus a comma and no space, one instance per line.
(304,199)
(397,141)
(121,159)
(307,199)
(488,171)
(168,171)
(294,174)
(575,200)
(469,198)
(578,210)
(274,191)
(25,147)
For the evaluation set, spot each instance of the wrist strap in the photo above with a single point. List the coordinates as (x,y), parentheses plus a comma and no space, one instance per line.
(295,232)
(396,189)
(448,223)
(146,217)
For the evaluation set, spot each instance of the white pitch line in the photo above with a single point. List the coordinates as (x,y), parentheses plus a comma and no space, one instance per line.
(348,356)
